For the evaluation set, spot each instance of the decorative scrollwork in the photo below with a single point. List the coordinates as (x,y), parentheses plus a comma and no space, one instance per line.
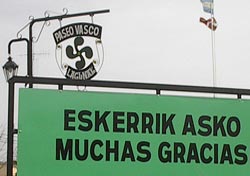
(65,11)
(19,35)
(46,13)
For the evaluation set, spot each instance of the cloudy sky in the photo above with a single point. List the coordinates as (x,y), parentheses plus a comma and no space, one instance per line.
(144,41)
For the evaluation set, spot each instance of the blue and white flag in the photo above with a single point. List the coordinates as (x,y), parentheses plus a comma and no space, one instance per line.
(208,6)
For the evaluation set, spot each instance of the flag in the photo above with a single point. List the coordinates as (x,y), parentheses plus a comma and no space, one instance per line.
(208,6)
(211,23)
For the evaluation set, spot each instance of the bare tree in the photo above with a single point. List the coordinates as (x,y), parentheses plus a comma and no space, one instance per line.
(3,144)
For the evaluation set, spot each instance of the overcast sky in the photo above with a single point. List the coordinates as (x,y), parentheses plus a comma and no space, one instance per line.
(144,41)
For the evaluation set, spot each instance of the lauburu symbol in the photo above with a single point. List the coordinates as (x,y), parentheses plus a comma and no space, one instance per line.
(74,53)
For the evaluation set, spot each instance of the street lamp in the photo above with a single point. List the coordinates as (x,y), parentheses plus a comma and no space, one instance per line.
(10,69)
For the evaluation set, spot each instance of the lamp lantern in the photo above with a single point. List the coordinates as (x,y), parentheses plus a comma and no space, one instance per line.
(10,69)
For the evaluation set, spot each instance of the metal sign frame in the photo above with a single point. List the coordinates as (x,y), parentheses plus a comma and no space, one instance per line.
(101,84)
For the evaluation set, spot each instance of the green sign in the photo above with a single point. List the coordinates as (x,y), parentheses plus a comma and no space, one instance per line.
(89,133)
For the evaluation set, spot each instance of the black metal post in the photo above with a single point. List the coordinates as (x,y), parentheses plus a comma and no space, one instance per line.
(239,96)
(30,56)
(10,128)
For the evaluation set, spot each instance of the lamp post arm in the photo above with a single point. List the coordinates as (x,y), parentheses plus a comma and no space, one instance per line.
(17,40)
(20,40)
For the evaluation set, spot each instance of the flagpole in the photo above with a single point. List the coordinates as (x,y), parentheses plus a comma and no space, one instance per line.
(214,58)
(208,7)
(213,48)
